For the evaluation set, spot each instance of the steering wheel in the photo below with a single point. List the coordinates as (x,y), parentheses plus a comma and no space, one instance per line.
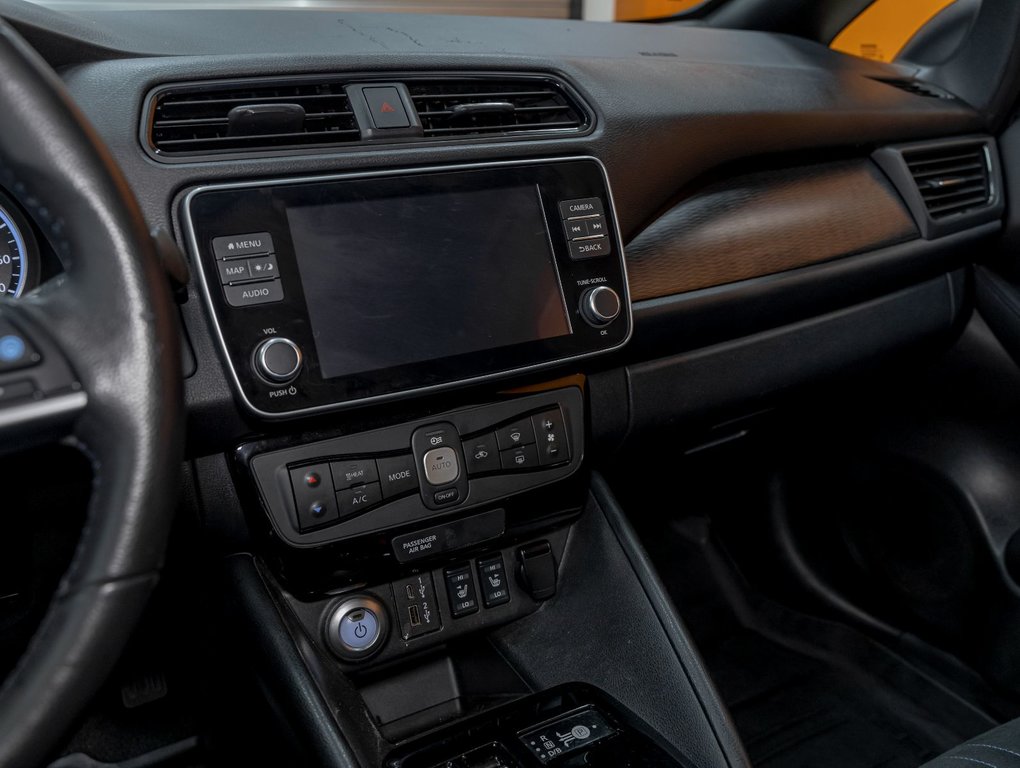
(104,355)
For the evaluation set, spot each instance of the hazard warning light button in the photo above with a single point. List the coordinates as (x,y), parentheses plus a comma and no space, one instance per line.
(386,107)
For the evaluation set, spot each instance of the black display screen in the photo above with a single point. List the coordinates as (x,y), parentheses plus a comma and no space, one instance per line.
(404,278)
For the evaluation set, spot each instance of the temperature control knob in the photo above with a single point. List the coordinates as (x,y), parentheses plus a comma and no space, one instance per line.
(277,360)
(600,305)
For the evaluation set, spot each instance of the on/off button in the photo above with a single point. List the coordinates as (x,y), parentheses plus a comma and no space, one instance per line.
(441,466)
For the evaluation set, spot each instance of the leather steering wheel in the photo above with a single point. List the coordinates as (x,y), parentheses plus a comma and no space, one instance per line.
(109,322)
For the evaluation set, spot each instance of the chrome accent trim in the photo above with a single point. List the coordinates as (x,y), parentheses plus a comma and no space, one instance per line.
(50,409)
(341,611)
(192,243)
(262,367)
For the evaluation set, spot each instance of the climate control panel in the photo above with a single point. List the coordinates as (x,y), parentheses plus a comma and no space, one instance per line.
(461,460)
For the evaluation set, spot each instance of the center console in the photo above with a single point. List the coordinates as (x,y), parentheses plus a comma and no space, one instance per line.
(451,593)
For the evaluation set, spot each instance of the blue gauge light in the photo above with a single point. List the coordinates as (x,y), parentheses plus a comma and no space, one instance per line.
(13,257)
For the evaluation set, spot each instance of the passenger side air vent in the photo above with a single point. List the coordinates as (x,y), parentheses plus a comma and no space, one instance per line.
(951,182)
(260,115)
(948,185)
(485,107)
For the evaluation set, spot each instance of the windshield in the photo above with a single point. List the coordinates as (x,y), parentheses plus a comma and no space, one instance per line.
(589,10)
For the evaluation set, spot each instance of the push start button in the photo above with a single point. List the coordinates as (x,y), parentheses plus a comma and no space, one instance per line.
(359,629)
(356,627)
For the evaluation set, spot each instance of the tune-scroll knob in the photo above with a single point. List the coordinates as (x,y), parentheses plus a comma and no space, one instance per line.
(277,360)
(600,305)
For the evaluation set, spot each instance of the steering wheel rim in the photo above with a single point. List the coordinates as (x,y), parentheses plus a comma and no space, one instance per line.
(111,316)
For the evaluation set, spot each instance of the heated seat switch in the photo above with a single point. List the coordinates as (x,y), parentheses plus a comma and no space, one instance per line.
(536,570)
(460,589)
(492,577)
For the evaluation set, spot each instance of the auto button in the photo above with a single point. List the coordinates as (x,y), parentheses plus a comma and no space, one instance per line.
(441,466)
(439,455)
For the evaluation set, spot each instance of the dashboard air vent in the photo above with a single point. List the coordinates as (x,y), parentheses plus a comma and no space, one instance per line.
(481,107)
(919,88)
(951,181)
(244,117)
(949,184)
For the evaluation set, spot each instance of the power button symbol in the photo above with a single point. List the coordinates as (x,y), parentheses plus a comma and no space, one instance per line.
(359,628)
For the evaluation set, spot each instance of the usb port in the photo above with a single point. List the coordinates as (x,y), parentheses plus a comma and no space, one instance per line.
(410,592)
(412,611)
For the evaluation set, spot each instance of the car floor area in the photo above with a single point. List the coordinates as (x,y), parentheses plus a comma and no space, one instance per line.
(804,691)
(827,558)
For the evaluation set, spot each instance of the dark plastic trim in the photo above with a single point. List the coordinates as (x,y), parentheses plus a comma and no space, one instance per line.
(748,373)
(714,710)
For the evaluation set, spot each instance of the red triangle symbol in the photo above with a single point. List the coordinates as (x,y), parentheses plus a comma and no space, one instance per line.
(386,107)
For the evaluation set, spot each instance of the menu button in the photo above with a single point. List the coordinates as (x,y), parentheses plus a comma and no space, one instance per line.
(234,246)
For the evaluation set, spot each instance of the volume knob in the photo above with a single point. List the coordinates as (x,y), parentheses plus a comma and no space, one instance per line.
(600,305)
(277,360)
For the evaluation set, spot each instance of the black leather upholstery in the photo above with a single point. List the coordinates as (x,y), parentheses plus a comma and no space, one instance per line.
(112,315)
(999,748)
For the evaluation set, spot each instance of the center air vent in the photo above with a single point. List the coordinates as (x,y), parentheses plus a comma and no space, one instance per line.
(240,117)
(465,107)
(948,185)
(288,115)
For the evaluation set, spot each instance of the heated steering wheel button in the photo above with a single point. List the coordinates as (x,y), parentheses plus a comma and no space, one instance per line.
(357,472)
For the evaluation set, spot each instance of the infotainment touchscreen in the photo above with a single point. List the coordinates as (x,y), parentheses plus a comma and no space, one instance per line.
(401,278)
(366,286)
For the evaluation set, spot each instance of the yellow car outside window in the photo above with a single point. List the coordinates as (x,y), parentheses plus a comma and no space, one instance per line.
(635,10)
(884,27)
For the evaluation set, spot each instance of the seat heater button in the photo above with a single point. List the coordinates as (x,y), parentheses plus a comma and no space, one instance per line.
(460,589)
(441,466)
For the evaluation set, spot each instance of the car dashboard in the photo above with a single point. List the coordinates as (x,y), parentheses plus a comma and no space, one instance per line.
(445,270)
